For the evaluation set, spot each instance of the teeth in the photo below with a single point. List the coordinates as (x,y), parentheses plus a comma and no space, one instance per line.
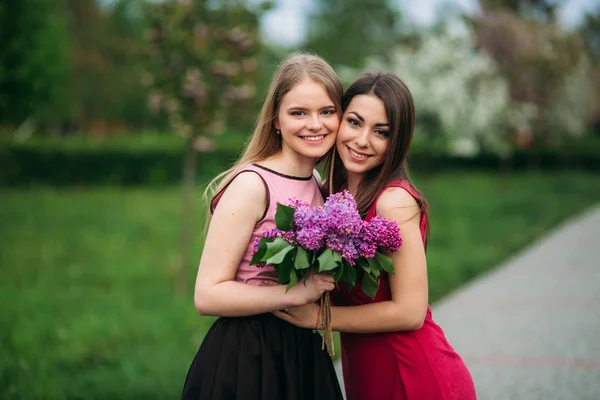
(313,138)
(355,154)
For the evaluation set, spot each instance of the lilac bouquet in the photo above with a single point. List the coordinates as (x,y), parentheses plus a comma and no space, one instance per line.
(333,239)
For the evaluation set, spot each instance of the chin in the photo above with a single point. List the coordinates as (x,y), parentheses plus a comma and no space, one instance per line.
(355,169)
(314,153)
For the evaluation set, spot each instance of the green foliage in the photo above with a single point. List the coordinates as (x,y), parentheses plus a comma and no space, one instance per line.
(156,160)
(369,284)
(102,166)
(346,32)
(107,81)
(327,261)
(259,254)
(348,274)
(276,251)
(33,61)
(284,217)
(301,260)
(203,57)
(385,262)
(590,31)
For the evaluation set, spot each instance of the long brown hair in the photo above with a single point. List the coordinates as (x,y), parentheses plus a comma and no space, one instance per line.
(400,111)
(264,142)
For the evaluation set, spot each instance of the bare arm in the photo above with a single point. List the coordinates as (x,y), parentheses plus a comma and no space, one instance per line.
(240,208)
(406,310)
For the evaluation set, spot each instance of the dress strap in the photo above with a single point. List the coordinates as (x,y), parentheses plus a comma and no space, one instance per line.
(217,197)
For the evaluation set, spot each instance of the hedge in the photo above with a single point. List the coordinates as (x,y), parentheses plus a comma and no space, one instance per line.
(40,163)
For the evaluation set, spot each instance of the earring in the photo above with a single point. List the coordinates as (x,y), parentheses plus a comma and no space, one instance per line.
(278,131)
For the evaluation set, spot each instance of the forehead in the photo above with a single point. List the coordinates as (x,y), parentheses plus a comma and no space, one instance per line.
(370,107)
(307,93)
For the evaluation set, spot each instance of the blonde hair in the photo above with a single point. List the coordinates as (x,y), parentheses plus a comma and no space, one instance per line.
(265,142)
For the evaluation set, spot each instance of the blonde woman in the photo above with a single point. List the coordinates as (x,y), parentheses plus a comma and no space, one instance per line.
(248,352)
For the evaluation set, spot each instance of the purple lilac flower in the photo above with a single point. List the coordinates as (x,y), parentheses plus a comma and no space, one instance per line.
(255,246)
(311,238)
(341,215)
(384,233)
(349,251)
(288,236)
(338,226)
(272,234)
(306,216)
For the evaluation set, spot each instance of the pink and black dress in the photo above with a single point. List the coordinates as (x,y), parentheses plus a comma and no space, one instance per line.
(262,357)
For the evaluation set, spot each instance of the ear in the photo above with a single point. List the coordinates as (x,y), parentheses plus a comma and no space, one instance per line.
(276,124)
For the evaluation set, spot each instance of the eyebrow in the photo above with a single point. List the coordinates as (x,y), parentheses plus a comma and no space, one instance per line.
(305,108)
(363,120)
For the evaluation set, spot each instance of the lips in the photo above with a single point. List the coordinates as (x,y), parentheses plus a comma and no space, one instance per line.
(313,138)
(357,156)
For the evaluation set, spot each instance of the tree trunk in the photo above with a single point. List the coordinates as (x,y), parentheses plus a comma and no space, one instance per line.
(187,208)
(505,169)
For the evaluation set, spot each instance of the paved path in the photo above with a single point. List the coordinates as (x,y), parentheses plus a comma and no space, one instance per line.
(530,329)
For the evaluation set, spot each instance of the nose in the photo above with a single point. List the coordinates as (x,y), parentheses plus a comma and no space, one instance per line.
(362,138)
(313,123)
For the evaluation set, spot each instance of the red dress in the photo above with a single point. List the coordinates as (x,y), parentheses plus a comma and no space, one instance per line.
(412,365)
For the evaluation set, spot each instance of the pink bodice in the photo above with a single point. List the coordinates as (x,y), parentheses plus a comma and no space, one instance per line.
(280,188)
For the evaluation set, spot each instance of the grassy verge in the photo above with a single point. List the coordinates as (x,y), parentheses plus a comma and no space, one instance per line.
(87,308)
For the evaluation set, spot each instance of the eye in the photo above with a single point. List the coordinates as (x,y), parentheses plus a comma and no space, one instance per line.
(353,121)
(383,133)
(328,112)
(298,113)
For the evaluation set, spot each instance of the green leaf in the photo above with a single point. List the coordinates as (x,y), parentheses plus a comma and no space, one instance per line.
(262,249)
(284,270)
(293,280)
(326,261)
(301,259)
(337,257)
(349,274)
(386,263)
(339,272)
(373,264)
(284,217)
(276,251)
(369,285)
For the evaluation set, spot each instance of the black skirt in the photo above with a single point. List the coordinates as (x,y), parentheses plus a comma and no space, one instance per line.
(261,357)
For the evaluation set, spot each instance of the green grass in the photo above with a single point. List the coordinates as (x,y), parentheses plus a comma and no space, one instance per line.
(87,306)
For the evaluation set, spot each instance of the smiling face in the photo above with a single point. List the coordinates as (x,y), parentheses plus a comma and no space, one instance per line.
(308,120)
(363,137)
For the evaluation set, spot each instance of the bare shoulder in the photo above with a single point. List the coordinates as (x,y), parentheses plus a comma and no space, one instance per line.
(246,192)
(248,184)
(397,203)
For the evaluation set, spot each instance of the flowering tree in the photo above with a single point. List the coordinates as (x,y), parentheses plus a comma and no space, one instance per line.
(457,92)
(543,65)
(204,61)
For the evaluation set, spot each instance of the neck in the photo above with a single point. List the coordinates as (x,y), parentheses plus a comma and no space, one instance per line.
(353,180)
(292,164)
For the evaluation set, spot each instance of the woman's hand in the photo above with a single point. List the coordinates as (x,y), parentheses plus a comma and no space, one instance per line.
(304,316)
(311,288)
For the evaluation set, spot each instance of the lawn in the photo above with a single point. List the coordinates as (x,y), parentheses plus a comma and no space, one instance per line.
(87,307)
